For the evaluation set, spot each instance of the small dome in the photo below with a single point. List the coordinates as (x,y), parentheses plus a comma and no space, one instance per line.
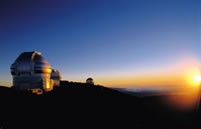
(90,81)
(55,75)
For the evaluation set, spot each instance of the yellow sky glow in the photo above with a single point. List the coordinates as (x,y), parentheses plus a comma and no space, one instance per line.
(181,73)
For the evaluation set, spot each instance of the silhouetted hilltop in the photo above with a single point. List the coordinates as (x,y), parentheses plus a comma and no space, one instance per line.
(79,104)
(69,104)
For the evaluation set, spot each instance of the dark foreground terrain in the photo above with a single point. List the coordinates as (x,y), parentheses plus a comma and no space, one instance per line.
(84,106)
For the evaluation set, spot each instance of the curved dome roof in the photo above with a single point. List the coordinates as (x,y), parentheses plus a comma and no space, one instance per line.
(89,79)
(28,62)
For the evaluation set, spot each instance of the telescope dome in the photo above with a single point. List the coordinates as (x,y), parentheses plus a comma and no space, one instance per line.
(30,71)
(56,77)
(90,81)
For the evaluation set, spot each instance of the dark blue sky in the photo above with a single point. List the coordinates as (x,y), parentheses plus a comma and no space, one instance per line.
(100,38)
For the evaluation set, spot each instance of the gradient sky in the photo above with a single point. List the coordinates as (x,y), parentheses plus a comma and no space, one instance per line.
(117,42)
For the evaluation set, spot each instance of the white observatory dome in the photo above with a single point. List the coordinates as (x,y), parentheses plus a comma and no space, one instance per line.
(30,70)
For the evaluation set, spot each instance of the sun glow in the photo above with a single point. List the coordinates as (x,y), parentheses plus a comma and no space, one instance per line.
(197,78)
(193,77)
(187,96)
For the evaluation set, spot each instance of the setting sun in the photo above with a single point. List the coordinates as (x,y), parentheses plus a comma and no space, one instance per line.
(193,77)
(198,78)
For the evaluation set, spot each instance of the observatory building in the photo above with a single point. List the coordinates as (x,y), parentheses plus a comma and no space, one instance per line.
(56,77)
(90,81)
(31,71)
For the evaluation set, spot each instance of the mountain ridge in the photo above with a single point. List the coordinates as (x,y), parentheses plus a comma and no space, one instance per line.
(75,104)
